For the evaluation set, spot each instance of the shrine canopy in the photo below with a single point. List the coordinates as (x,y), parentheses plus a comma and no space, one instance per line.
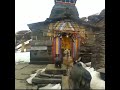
(66,1)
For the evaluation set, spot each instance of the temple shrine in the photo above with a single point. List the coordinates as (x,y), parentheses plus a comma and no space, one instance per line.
(60,35)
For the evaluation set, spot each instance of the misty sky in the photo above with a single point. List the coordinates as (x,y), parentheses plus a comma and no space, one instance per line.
(31,11)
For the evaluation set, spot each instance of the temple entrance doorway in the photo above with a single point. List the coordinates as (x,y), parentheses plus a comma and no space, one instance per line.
(66,48)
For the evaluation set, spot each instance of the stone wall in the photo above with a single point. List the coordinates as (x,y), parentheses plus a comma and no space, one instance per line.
(98,51)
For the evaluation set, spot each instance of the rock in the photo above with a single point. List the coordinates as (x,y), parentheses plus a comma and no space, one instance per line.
(102,70)
(80,77)
(93,18)
(26,34)
(98,50)
(88,64)
(102,13)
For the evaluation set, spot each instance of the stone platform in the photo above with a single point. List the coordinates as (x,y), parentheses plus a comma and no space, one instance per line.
(50,69)
(65,83)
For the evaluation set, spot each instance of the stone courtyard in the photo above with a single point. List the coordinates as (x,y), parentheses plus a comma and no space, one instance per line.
(22,72)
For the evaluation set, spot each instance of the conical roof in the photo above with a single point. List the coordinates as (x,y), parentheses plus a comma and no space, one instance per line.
(64,8)
(66,1)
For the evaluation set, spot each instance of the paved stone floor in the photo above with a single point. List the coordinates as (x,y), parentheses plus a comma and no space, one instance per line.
(22,72)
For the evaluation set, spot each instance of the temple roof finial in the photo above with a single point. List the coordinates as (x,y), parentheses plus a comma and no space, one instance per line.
(65,1)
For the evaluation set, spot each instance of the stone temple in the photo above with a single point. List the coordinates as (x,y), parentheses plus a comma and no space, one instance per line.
(63,34)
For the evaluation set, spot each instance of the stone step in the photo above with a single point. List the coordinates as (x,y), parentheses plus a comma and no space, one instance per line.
(46,80)
(50,69)
(40,62)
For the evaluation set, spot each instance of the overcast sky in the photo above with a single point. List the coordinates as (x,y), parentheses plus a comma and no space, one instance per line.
(31,11)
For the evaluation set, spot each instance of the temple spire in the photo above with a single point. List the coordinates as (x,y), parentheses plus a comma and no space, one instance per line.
(64,8)
(65,1)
